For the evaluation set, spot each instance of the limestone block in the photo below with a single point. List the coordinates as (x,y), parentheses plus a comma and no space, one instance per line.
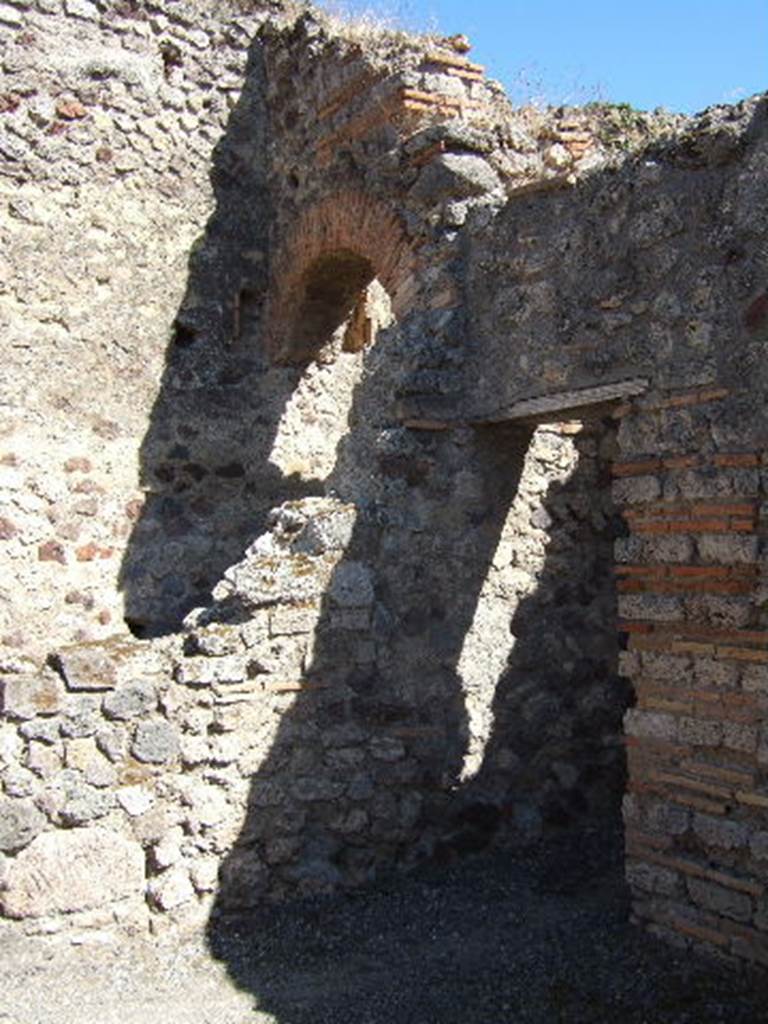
(78,753)
(65,871)
(724,612)
(25,697)
(700,732)
(243,879)
(290,620)
(256,630)
(354,619)
(194,750)
(202,671)
(349,822)
(155,742)
(135,800)
(636,489)
(713,672)
(204,874)
(226,748)
(259,580)
(11,744)
(87,667)
(216,641)
(20,822)
(281,849)
(737,736)
(208,804)
(726,549)
(328,529)
(82,9)
(112,741)
(652,724)
(310,788)
(167,851)
(651,607)
(43,759)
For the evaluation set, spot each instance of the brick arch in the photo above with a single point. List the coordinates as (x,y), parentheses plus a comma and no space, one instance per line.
(344,225)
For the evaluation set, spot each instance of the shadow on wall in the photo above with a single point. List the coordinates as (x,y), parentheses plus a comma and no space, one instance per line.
(552,774)
(204,461)
(366,770)
(554,762)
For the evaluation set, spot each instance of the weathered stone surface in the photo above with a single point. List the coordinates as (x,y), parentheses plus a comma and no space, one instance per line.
(112,741)
(66,871)
(81,718)
(200,671)
(652,878)
(167,851)
(18,781)
(131,700)
(43,759)
(135,800)
(87,667)
(259,580)
(729,835)
(458,175)
(20,822)
(26,697)
(81,803)
(736,905)
(44,729)
(352,585)
(171,889)
(156,742)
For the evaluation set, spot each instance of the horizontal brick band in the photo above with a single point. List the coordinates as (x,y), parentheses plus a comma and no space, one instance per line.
(652,464)
(694,870)
(710,636)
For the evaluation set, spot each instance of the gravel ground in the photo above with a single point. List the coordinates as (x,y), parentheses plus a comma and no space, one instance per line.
(490,941)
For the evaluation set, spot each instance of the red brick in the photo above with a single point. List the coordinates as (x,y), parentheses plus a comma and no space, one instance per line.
(742,460)
(52,551)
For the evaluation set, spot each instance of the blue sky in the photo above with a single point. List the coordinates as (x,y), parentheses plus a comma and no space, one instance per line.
(679,54)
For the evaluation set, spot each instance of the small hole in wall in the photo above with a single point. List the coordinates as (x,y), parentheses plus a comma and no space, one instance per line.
(171,55)
(139,629)
(182,335)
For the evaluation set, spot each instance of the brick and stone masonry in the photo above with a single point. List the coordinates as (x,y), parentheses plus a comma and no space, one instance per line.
(382,470)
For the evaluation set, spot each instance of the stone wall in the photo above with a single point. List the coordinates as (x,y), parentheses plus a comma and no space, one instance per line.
(300,734)
(653,279)
(313,523)
(124,128)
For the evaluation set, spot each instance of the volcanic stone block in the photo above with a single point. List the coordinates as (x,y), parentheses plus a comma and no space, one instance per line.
(155,742)
(20,822)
